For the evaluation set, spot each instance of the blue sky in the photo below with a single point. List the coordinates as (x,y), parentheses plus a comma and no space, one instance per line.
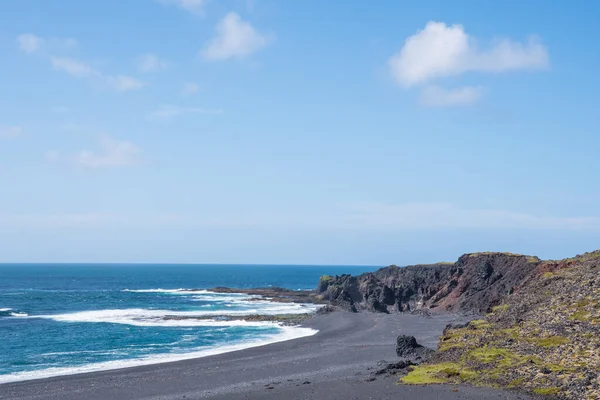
(263,131)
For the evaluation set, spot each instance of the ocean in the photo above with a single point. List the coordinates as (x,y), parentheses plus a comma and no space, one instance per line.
(64,319)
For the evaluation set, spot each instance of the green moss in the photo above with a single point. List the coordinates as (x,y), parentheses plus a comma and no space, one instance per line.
(325,278)
(580,315)
(479,324)
(551,341)
(546,391)
(583,302)
(487,355)
(516,383)
(500,308)
(447,346)
(438,373)
(511,332)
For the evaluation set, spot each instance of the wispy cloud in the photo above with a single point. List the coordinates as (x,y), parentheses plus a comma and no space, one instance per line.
(235,39)
(74,67)
(11,132)
(80,69)
(440,51)
(30,43)
(435,96)
(190,88)
(169,111)
(111,153)
(151,62)
(193,6)
(123,83)
(442,215)
(377,217)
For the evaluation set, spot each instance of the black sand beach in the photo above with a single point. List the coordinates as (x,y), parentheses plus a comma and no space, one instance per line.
(336,363)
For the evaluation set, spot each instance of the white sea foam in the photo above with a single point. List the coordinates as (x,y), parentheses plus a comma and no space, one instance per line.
(172,291)
(224,298)
(144,317)
(198,294)
(12,313)
(287,333)
(95,352)
(184,291)
(18,314)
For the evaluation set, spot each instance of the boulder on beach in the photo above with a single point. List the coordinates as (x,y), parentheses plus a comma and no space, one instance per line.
(407,347)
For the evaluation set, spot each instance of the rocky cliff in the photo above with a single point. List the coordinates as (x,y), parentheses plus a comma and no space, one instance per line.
(545,338)
(476,282)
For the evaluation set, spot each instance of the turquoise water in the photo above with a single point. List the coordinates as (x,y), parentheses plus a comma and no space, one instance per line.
(63,319)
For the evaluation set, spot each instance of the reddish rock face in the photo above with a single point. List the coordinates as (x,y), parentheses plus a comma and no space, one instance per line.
(476,282)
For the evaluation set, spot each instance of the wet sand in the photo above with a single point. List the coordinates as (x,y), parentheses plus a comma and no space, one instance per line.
(336,363)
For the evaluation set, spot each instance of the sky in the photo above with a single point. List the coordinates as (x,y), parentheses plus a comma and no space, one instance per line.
(297,132)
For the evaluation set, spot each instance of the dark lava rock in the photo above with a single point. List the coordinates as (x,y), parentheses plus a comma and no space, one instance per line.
(344,301)
(407,347)
(274,293)
(476,283)
(400,367)
(326,309)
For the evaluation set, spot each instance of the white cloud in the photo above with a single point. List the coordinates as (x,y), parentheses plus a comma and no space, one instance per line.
(435,96)
(74,67)
(440,50)
(122,83)
(29,43)
(190,88)
(235,39)
(81,70)
(168,111)
(150,62)
(112,153)
(193,6)
(10,132)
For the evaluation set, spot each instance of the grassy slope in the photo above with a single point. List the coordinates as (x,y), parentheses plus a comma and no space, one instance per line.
(545,338)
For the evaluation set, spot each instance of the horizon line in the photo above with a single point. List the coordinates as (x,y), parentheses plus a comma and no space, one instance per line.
(3,263)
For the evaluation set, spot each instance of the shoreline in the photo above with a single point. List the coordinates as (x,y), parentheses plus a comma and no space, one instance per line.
(289,323)
(336,362)
(288,333)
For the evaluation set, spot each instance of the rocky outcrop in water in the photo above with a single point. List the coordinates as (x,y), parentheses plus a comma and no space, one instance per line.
(276,294)
(476,282)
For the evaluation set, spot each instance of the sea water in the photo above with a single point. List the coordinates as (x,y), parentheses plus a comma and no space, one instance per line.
(65,319)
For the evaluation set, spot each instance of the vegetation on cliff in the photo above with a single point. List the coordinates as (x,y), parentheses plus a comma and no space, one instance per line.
(544,338)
